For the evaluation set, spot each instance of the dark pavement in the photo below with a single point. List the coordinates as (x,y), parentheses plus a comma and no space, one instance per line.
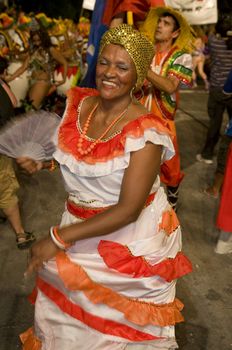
(206,293)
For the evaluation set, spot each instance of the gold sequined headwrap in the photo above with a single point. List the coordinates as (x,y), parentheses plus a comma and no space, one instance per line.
(186,37)
(139,48)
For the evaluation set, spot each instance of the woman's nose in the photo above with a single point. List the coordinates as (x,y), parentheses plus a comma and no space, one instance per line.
(110,71)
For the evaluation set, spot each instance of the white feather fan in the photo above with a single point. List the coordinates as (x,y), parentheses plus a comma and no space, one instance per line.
(30,135)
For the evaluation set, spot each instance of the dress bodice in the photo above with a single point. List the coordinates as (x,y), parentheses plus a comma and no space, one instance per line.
(96,178)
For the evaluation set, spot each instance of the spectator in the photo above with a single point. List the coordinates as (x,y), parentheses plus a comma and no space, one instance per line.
(225,141)
(198,57)
(8,181)
(220,50)
(224,219)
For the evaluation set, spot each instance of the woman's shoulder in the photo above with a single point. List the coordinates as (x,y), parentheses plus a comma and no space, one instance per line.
(142,119)
(136,112)
(138,109)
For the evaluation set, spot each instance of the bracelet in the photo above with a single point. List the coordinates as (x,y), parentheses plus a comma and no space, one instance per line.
(53,165)
(57,239)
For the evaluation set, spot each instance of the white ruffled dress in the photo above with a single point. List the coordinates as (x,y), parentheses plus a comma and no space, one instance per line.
(116,291)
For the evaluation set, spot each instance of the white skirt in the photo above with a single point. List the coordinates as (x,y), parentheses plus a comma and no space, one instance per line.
(70,319)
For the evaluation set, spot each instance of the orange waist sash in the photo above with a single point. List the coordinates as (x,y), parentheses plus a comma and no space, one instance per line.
(84,212)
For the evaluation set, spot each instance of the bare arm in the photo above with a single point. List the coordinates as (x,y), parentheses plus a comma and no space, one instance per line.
(166,84)
(19,71)
(32,166)
(62,61)
(136,185)
(117,20)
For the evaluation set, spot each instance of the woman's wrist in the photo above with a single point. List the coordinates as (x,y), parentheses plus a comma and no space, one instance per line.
(57,240)
(58,83)
(53,165)
(50,165)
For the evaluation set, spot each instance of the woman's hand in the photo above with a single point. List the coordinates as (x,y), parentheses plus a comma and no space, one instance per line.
(58,83)
(41,252)
(30,165)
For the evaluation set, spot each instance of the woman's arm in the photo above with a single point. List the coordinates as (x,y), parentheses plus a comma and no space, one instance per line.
(62,61)
(117,20)
(32,166)
(136,185)
(19,71)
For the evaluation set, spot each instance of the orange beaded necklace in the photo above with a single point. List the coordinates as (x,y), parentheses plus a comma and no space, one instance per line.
(86,127)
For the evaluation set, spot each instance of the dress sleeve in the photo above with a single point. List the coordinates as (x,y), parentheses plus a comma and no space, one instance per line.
(149,129)
(181,68)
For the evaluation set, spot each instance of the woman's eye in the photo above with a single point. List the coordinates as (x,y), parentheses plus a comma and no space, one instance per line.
(123,68)
(102,62)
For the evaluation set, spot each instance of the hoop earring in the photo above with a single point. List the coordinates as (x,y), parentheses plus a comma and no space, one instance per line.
(139,94)
(132,93)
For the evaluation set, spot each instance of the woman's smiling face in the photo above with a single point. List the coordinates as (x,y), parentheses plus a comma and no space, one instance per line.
(115,74)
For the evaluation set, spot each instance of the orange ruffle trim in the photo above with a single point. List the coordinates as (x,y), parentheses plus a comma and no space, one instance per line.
(118,257)
(137,312)
(69,134)
(30,341)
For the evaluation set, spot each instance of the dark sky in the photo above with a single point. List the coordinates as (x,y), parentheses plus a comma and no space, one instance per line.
(225,5)
(53,8)
(72,8)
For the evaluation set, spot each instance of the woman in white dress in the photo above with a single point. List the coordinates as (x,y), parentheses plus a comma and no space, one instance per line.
(107,273)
